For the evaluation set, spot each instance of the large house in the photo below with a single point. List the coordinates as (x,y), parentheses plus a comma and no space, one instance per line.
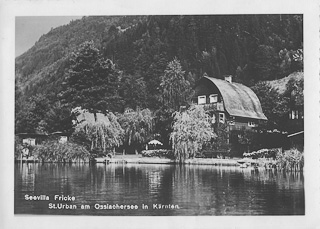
(231,105)
(229,102)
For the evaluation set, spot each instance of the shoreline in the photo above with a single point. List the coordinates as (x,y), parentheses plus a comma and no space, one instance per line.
(146,160)
(134,159)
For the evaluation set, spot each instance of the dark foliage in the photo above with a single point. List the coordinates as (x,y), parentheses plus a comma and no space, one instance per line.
(250,47)
(274,105)
(92,82)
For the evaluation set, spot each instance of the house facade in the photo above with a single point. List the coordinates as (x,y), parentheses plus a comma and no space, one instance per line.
(229,104)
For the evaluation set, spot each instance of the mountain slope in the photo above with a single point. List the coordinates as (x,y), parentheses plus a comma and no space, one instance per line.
(41,68)
(252,48)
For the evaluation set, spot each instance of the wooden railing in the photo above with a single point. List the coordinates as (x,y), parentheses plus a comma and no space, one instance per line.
(213,106)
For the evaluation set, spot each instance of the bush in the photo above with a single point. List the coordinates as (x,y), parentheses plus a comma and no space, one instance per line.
(162,153)
(17,147)
(207,153)
(290,160)
(52,151)
(98,152)
(263,153)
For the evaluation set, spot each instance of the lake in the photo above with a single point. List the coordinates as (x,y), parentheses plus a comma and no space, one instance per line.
(158,190)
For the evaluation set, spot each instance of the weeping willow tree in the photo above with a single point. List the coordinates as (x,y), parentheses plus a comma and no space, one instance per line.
(191,129)
(105,133)
(137,126)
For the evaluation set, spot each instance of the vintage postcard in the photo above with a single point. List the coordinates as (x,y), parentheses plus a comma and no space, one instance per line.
(203,115)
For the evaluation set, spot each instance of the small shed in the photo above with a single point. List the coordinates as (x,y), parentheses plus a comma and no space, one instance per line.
(60,136)
(32,138)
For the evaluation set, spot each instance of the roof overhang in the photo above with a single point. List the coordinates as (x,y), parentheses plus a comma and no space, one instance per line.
(239,100)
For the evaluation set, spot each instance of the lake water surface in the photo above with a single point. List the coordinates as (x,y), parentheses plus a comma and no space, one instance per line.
(155,190)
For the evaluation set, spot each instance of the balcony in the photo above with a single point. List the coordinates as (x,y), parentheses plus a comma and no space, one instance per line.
(213,106)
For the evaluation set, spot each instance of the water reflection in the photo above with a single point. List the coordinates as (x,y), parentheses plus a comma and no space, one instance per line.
(197,190)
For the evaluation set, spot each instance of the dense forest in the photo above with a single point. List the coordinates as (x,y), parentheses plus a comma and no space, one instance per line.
(138,51)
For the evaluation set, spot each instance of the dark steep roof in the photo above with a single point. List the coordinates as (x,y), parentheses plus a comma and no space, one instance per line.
(281,86)
(89,117)
(238,99)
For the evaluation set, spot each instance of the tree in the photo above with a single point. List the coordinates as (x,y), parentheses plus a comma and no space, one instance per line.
(174,86)
(210,63)
(291,61)
(191,129)
(133,91)
(31,117)
(221,141)
(274,105)
(104,133)
(163,125)
(92,82)
(267,63)
(137,126)
(59,118)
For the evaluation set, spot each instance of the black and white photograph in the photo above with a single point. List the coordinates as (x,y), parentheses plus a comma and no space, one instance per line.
(172,116)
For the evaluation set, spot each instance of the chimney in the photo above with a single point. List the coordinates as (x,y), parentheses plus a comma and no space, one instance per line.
(228,78)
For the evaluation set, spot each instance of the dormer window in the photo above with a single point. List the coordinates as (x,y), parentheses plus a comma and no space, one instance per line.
(202,99)
(213,98)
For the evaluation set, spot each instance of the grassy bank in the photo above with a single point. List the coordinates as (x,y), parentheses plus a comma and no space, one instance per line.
(53,152)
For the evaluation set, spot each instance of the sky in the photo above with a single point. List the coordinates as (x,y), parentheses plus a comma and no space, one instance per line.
(29,29)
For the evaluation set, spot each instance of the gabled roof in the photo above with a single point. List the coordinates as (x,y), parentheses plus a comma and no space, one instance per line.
(281,86)
(239,100)
(89,117)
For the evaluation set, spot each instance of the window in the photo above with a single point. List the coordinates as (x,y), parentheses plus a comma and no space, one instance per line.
(213,98)
(63,139)
(213,120)
(295,115)
(29,141)
(202,99)
(231,122)
(251,124)
(221,117)
(220,106)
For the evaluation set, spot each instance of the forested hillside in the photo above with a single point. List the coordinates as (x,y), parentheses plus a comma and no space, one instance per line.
(252,48)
